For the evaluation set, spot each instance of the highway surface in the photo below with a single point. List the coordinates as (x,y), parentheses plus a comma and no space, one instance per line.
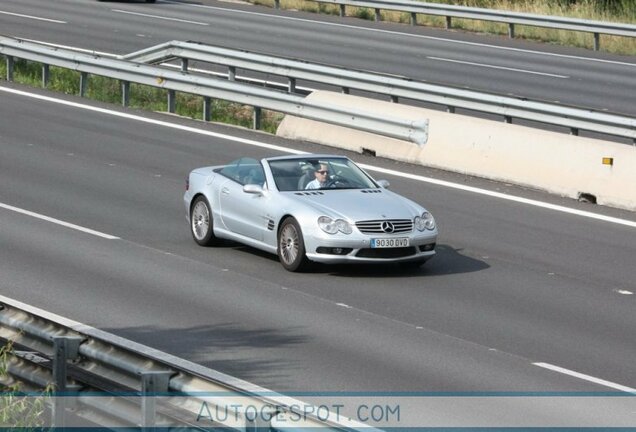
(538,71)
(514,288)
(523,296)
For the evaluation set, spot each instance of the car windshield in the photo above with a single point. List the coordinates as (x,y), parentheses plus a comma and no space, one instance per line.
(319,173)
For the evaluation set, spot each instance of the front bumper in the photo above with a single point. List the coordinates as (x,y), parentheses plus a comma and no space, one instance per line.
(356,248)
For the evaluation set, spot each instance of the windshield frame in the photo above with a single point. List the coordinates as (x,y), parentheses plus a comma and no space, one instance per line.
(293,175)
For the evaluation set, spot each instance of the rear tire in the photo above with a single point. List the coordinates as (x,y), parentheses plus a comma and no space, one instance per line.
(201,222)
(291,246)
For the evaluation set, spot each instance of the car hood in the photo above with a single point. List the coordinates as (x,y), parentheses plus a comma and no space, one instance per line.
(360,204)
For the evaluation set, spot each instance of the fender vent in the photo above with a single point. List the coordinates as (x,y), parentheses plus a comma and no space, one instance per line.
(310,193)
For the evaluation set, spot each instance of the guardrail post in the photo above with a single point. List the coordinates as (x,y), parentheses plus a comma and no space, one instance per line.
(64,348)
(413,19)
(231,73)
(291,87)
(152,382)
(83,83)
(172,96)
(276,4)
(10,66)
(184,65)
(256,120)
(207,108)
(511,30)
(46,74)
(449,22)
(378,16)
(343,11)
(125,93)
(597,41)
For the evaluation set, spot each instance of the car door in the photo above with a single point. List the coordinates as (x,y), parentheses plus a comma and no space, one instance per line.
(241,212)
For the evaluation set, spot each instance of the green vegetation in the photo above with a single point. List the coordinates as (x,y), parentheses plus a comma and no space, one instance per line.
(18,412)
(142,97)
(623,11)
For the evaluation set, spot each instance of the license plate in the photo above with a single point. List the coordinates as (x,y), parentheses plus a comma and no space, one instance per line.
(390,242)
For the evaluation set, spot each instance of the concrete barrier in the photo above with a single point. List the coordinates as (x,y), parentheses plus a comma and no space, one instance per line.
(555,162)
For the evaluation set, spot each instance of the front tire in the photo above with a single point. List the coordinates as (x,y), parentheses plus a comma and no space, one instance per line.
(291,246)
(202,223)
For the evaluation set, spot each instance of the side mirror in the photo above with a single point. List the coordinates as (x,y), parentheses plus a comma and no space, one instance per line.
(253,189)
(384,183)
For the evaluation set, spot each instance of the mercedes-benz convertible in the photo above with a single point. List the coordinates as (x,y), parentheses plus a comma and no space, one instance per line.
(308,208)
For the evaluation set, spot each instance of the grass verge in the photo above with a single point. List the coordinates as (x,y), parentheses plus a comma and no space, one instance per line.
(143,97)
(622,11)
(17,411)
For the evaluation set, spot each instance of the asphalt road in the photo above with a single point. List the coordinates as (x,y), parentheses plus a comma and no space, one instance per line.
(487,63)
(512,285)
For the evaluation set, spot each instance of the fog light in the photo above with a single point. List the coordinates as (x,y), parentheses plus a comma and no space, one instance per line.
(333,251)
(428,247)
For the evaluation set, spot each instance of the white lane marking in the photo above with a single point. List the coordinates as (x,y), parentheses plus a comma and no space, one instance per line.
(497,67)
(624,292)
(155,122)
(438,182)
(586,377)
(391,32)
(58,222)
(503,196)
(33,17)
(159,17)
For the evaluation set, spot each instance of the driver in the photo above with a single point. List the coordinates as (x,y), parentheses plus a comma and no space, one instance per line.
(322,177)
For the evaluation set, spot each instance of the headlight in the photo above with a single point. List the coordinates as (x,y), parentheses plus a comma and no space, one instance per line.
(343,226)
(331,226)
(426,221)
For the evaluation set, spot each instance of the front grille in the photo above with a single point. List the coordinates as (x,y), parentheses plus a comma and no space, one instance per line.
(379,226)
(386,253)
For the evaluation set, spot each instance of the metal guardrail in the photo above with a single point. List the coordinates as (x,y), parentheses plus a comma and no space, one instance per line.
(396,87)
(509,108)
(507,17)
(90,368)
(129,72)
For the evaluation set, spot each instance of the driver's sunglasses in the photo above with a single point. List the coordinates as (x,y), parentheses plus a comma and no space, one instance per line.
(323,172)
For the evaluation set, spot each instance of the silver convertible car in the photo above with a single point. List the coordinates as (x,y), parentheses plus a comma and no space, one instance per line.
(308,208)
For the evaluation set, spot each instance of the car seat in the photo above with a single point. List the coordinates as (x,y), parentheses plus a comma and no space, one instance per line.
(308,175)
